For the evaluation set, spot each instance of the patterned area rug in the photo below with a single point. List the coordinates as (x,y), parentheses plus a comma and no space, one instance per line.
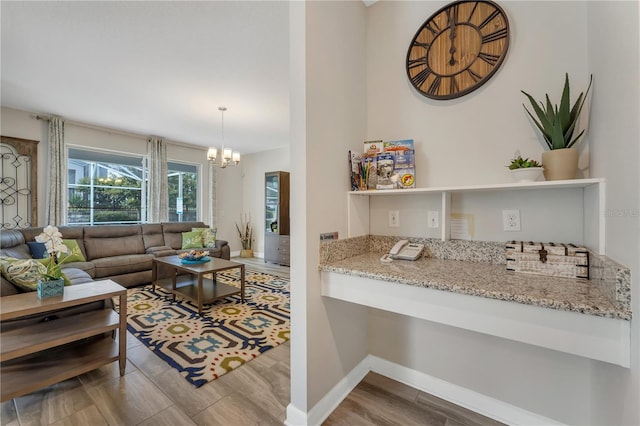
(226,335)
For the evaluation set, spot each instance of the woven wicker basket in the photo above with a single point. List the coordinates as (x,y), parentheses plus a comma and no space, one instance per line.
(552,259)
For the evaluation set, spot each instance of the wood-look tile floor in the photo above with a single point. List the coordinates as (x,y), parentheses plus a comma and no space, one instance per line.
(153,394)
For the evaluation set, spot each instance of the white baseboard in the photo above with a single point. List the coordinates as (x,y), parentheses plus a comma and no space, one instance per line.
(330,401)
(477,402)
(295,417)
(474,401)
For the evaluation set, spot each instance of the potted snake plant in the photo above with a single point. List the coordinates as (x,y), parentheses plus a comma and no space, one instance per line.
(245,232)
(557,123)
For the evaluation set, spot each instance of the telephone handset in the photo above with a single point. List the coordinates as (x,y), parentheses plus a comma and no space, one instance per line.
(404,250)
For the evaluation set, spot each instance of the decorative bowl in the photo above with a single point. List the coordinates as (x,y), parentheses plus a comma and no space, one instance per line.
(194,255)
(527,174)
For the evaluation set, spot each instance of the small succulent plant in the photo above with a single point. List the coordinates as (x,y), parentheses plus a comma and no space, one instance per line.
(523,163)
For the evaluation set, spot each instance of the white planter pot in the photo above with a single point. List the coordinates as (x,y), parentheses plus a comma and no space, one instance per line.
(528,174)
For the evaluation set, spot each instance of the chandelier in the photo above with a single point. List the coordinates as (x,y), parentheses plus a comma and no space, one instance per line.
(228,157)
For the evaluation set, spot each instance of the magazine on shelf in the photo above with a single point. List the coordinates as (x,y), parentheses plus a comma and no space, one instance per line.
(404,168)
(400,145)
(373,147)
(355,167)
(385,162)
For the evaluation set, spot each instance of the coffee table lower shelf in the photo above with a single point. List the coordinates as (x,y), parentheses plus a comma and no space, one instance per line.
(187,286)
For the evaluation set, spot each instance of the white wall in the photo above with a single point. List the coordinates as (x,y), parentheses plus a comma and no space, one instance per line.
(471,139)
(539,210)
(329,338)
(615,152)
(253,170)
(229,207)
(542,381)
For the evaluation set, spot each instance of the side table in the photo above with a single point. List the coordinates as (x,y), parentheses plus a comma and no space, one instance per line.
(38,355)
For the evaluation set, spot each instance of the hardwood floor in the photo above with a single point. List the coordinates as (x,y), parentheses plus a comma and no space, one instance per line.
(151,393)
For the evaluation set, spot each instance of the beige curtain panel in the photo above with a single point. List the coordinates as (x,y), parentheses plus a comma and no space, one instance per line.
(158,186)
(56,213)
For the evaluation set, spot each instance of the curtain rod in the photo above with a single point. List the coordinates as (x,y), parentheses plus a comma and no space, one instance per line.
(45,117)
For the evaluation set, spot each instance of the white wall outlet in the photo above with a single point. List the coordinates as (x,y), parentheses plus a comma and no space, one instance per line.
(394,218)
(511,220)
(432,218)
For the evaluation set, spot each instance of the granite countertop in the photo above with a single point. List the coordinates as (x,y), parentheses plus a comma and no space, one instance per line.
(484,280)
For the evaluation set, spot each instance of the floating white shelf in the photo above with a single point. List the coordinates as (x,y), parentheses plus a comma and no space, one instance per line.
(593,204)
(553,184)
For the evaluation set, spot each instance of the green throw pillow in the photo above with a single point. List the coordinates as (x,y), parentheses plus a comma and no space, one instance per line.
(191,239)
(24,273)
(208,236)
(74,255)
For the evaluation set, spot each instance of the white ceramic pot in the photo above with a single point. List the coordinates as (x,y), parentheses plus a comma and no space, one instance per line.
(560,164)
(527,174)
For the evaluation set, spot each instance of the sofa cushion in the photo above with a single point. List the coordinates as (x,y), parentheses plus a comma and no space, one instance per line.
(192,239)
(12,244)
(152,235)
(172,232)
(68,233)
(115,265)
(112,240)
(74,254)
(23,273)
(38,250)
(7,288)
(77,276)
(87,267)
(208,236)
(159,251)
(74,233)
(30,234)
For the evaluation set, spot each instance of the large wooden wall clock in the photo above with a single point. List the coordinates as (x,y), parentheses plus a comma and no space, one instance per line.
(458,49)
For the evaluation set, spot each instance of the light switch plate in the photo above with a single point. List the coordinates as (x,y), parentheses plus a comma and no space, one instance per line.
(394,218)
(432,218)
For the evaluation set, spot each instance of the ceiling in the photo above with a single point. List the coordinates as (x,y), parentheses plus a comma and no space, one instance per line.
(153,68)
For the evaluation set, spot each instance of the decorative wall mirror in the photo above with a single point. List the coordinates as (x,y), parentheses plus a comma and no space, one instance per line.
(18,183)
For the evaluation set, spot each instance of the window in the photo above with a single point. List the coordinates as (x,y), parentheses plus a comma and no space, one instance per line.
(183,192)
(105,187)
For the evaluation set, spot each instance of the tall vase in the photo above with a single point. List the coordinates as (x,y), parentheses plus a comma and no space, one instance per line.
(246,253)
(560,164)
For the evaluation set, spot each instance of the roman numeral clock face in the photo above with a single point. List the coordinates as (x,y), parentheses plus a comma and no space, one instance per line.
(458,49)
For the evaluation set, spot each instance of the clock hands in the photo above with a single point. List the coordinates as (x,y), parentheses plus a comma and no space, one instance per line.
(452,34)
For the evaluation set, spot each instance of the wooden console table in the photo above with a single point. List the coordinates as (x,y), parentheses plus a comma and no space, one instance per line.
(37,355)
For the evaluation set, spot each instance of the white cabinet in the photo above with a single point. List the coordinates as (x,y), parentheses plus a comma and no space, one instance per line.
(593,205)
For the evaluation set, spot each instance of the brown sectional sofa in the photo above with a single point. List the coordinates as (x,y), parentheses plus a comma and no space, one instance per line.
(122,253)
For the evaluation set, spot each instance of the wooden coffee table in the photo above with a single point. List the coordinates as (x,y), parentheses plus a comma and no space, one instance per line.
(193,285)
